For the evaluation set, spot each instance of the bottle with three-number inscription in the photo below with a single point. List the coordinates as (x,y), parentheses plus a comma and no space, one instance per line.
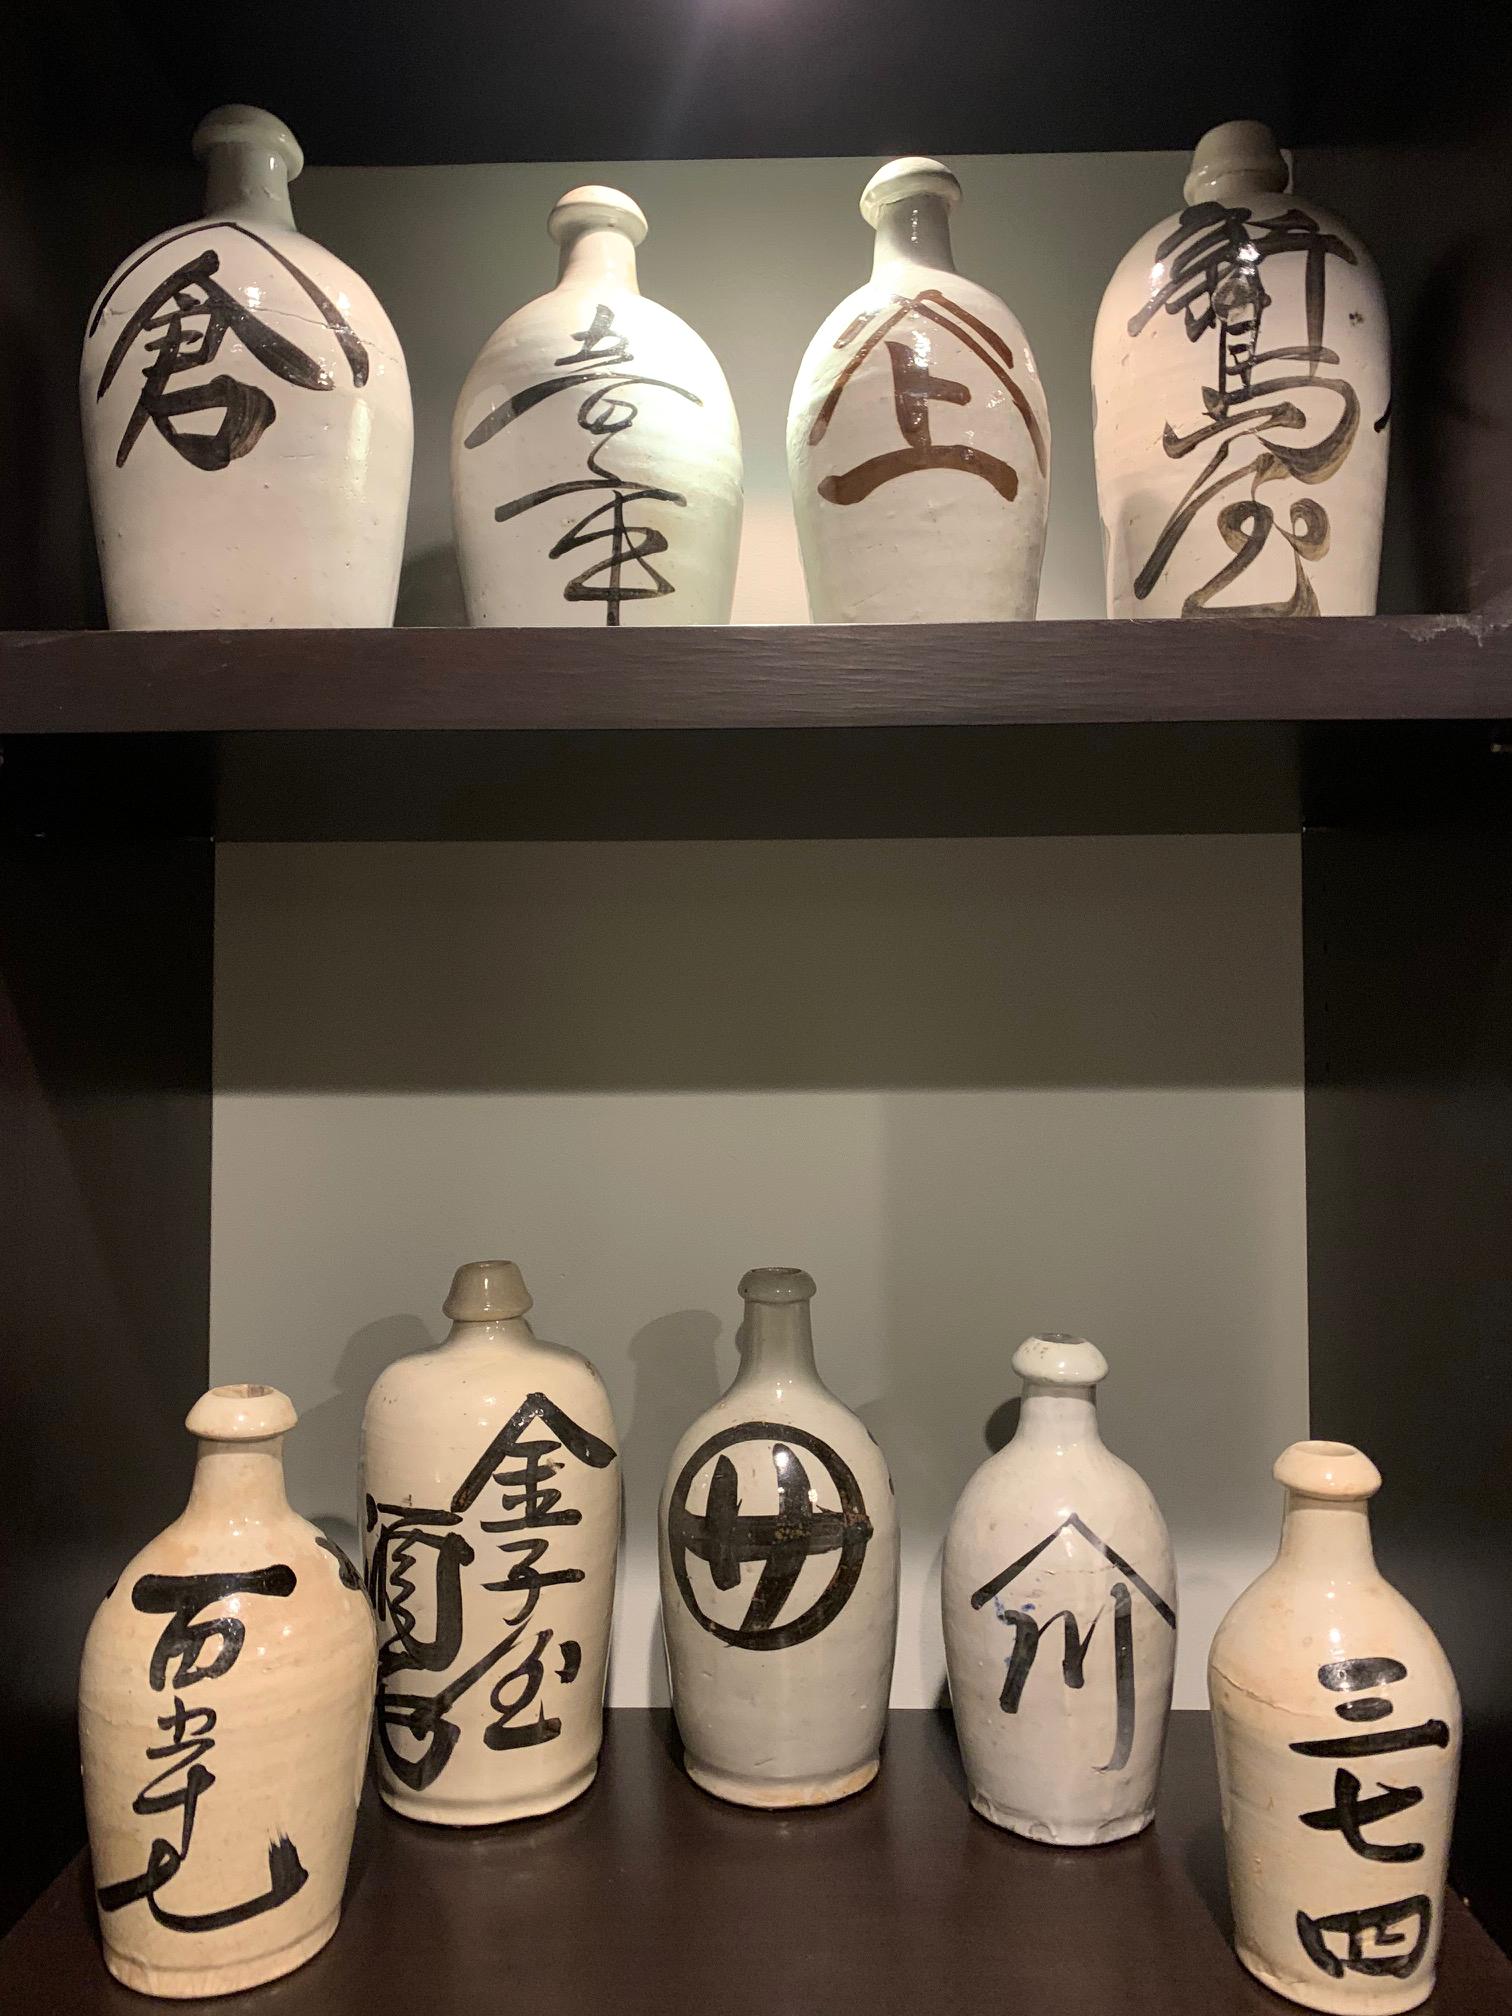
(490,1513)
(225,1700)
(779,1573)
(1337,1723)
(1058,1592)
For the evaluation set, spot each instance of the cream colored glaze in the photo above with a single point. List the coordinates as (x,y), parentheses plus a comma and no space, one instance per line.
(919,361)
(1322,1602)
(305,528)
(430,1421)
(1074,1766)
(770,1723)
(287,1719)
(646,399)
(1165,349)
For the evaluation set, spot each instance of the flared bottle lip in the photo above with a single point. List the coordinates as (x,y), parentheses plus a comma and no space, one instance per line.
(594,206)
(248,126)
(777,1284)
(909,176)
(241,1413)
(1327,1470)
(487,1291)
(1057,1358)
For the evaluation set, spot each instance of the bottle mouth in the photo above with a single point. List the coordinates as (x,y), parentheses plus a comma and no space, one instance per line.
(777,1284)
(487,1291)
(1058,1358)
(241,1413)
(1318,1469)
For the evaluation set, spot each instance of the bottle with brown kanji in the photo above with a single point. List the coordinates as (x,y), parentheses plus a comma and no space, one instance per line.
(778,1536)
(246,410)
(1058,1599)
(1337,1723)
(490,1511)
(918,438)
(225,1701)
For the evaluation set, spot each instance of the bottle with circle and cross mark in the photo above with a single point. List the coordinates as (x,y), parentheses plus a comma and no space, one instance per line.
(779,1573)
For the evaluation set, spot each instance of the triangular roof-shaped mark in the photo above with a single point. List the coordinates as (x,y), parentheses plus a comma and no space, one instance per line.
(999,1582)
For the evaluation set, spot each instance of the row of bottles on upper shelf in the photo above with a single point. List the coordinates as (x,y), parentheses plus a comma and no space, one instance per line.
(248,425)
(490,1496)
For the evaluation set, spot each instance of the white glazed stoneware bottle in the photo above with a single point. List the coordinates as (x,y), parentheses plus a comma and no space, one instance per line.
(224,1706)
(779,1573)
(246,412)
(1241,387)
(918,436)
(1058,1592)
(491,1508)
(596,472)
(1337,1723)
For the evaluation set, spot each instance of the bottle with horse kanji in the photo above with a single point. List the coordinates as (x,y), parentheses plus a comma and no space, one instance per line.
(246,411)
(778,1536)
(1058,1594)
(1241,387)
(225,1701)
(596,468)
(490,1512)
(918,437)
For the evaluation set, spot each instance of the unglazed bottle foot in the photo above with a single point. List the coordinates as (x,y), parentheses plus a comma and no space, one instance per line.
(772,1797)
(1060,1833)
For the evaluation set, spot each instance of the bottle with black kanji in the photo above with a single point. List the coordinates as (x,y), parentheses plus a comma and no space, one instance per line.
(490,1515)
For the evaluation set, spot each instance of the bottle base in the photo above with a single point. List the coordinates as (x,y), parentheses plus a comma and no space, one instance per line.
(192,1984)
(1061,1833)
(488,1812)
(1383,1998)
(773,1795)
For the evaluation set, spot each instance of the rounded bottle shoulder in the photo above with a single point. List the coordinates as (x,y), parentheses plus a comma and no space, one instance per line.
(813,1411)
(1288,1628)
(473,1369)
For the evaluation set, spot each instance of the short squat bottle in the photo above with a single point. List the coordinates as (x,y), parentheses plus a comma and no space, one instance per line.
(779,1573)
(1337,1722)
(491,1499)
(1059,1600)
(224,1707)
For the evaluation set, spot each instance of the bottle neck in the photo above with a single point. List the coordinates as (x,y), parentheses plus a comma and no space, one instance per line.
(239,1484)
(916,231)
(249,183)
(1327,1536)
(600,257)
(1053,1416)
(1243,190)
(776,1346)
(499,1330)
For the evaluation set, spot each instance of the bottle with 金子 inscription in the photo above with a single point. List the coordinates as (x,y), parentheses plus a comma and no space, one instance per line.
(490,1516)
(1337,1724)
(225,1700)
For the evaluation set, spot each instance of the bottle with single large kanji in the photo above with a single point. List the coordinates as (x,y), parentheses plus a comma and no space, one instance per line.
(490,1514)
(1337,1722)
(779,1573)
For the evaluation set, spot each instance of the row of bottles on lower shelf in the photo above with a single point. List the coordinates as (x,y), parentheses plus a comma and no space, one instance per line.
(230,1677)
(249,431)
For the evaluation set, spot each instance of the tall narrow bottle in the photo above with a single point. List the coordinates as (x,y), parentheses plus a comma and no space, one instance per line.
(1059,1599)
(779,1573)
(490,1511)
(918,435)
(1337,1722)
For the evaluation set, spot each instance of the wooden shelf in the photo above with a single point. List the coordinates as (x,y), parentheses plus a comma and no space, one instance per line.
(649,1896)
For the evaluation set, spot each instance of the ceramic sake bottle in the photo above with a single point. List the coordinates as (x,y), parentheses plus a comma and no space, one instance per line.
(224,1707)
(596,473)
(246,413)
(918,436)
(491,1509)
(1059,1600)
(1241,386)
(1337,1723)
(779,1573)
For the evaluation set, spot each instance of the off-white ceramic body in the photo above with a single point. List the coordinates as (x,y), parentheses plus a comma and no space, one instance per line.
(918,436)
(1278,1677)
(596,471)
(780,1686)
(224,1728)
(1241,447)
(491,1506)
(304,415)
(1055,1535)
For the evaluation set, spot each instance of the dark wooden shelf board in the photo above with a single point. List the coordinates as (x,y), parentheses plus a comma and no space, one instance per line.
(652,1899)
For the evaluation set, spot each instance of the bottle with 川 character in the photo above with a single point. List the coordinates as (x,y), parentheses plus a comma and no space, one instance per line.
(918,437)
(225,1700)
(596,465)
(1241,387)
(1337,1724)
(490,1512)
(246,411)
